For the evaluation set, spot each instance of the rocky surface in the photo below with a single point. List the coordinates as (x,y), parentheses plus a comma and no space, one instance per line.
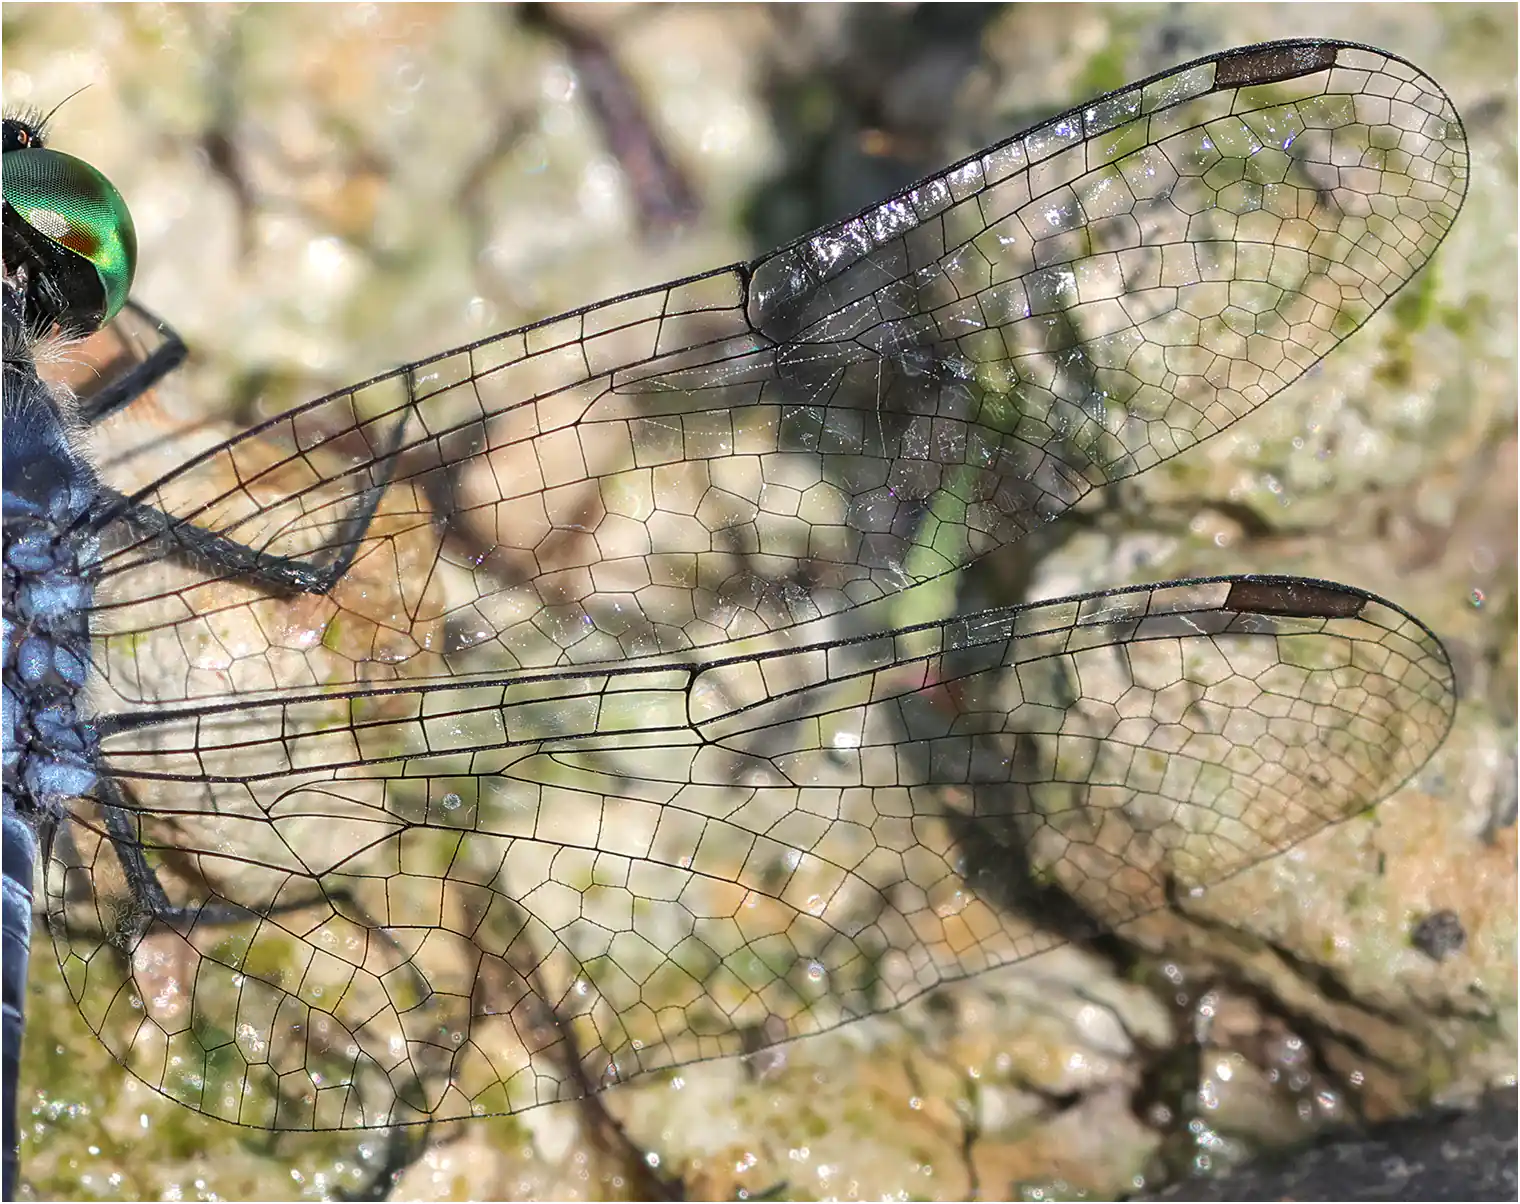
(1441,1155)
(321,192)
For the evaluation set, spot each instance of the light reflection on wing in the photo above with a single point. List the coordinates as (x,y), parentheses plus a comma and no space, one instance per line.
(875,405)
(599,744)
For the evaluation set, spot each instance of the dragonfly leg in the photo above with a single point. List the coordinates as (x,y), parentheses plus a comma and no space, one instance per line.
(153,900)
(282,574)
(126,389)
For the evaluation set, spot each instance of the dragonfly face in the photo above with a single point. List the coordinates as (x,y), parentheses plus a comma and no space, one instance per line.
(531,718)
(69,240)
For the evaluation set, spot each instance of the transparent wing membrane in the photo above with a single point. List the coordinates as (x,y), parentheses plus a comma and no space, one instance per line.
(598,759)
(873,406)
(671,859)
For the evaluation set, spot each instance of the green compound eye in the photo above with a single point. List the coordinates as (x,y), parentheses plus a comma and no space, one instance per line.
(77,209)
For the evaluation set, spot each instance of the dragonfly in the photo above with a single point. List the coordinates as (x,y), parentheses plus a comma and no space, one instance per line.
(540,714)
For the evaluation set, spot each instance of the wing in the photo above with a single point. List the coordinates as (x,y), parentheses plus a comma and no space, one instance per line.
(472,898)
(596,760)
(788,440)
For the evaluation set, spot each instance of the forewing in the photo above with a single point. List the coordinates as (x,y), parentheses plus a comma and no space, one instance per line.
(872,406)
(472,898)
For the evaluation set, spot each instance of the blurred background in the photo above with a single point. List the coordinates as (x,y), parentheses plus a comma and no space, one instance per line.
(324,191)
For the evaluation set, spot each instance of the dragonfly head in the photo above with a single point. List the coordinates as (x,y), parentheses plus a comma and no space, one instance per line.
(70,246)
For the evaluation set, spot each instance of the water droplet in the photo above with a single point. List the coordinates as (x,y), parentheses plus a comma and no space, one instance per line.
(481,314)
(452,802)
(1476,598)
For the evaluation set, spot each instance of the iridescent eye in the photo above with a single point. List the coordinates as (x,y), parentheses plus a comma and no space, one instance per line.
(77,210)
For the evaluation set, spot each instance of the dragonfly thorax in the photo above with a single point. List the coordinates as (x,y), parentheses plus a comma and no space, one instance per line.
(49,749)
